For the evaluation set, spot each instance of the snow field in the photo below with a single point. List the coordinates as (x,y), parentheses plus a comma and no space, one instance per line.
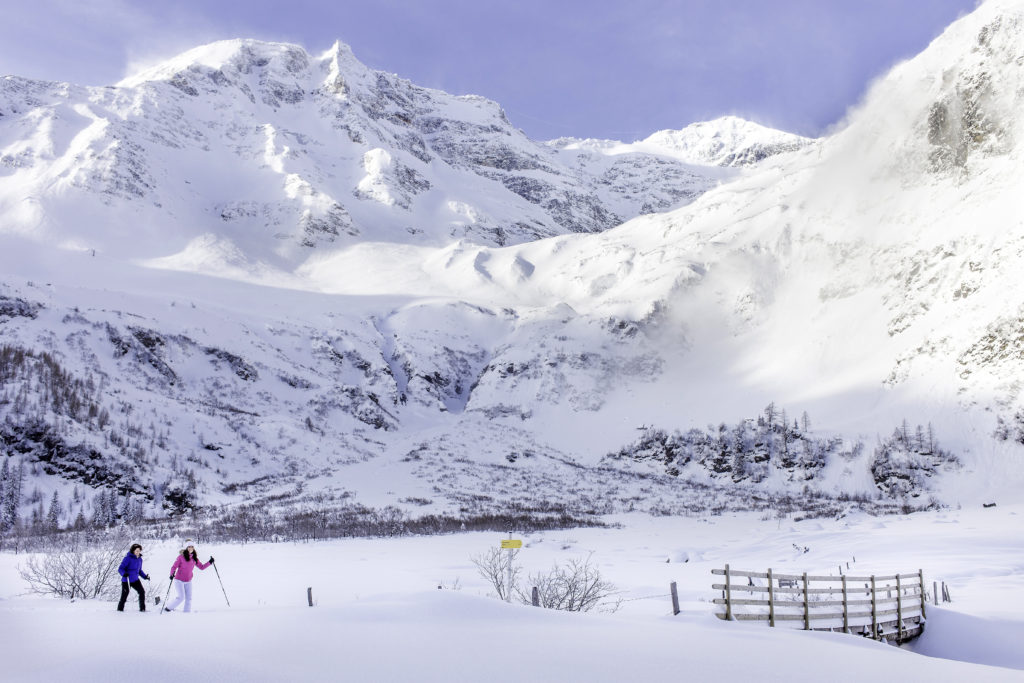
(379,615)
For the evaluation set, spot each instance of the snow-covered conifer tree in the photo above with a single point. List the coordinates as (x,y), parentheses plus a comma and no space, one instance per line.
(53,514)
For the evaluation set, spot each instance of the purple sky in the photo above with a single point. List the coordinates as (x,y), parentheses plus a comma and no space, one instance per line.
(585,68)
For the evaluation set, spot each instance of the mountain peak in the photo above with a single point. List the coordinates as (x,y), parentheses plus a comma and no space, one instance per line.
(725,141)
(241,55)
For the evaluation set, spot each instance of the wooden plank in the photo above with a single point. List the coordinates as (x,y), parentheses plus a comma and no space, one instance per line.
(816,578)
(835,579)
(791,599)
(737,572)
(815,607)
(838,590)
(814,616)
(723,601)
(836,616)
(838,603)
(765,617)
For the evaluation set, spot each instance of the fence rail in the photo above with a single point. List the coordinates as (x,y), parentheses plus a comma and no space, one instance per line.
(896,601)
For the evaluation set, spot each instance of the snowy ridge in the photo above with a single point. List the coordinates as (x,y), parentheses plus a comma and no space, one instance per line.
(726,141)
(278,152)
(264,335)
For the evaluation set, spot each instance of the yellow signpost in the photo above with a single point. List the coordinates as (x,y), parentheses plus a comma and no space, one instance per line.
(509,543)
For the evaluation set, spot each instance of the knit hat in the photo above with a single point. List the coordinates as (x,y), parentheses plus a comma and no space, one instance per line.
(188,542)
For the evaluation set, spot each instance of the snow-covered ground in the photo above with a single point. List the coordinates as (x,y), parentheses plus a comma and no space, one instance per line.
(379,615)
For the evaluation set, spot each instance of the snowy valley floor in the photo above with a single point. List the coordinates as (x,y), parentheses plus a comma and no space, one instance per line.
(380,616)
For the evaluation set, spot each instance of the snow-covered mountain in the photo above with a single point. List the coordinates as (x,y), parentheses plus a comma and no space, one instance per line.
(727,141)
(840,320)
(275,151)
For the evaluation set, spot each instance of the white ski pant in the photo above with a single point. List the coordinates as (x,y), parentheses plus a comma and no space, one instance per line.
(183,591)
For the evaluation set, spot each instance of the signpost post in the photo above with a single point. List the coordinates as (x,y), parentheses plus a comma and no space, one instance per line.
(510,544)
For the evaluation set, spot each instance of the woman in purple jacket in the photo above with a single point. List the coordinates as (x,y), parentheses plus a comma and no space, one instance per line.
(181,575)
(130,571)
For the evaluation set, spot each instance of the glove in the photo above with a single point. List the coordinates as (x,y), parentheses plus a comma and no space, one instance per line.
(172,577)
(211,559)
(145,577)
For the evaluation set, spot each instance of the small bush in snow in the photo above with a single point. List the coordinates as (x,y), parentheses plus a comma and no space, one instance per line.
(576,586)
(494,567)
(74,569)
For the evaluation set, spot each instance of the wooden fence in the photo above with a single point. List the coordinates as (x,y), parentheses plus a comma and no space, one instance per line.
(880,607)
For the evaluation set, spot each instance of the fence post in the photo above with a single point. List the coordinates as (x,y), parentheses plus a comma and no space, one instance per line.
(846,610)
(874,610)
(675,601)
(935,592)
(309,595)
(771,599)
(807,606)
(535,597)
(899,609)
(924,601)
(728,595)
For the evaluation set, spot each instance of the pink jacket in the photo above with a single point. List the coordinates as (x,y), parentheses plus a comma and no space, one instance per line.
(182,568)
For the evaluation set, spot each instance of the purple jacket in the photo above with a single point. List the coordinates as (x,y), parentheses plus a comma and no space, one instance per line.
(182,569)
(131,569)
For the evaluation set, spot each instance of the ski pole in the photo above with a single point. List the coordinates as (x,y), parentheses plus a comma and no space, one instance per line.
(221,585)
(169,584)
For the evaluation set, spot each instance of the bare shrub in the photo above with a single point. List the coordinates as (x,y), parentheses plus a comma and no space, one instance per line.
(575,587)
(494,568)
(75,569)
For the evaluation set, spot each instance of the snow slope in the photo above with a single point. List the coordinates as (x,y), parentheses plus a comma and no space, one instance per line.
(868,279)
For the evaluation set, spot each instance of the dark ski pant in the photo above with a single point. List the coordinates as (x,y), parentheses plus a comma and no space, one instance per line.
(137,585)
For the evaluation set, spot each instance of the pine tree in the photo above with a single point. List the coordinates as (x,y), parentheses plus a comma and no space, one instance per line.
(5,476)
(53,514)
(12,497)
(110,512)
(99,510)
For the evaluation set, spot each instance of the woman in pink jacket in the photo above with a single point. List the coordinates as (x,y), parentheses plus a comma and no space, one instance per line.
(181,575)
